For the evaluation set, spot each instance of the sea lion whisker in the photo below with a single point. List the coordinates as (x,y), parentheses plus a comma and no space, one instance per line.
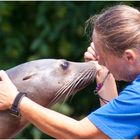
(60,92)
(66,88)
(77,81)
(70,89)
(69,92)
(81,82)
(80,79)
(69,85)
(66,97)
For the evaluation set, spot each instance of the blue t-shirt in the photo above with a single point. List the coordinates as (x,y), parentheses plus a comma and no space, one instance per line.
(120,118)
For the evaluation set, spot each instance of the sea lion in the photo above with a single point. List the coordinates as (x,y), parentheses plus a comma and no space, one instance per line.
(46,82)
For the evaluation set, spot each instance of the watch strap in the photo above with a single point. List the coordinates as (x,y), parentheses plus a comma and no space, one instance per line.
(14,109)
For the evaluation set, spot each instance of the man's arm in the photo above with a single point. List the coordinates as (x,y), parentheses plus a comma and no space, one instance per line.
(58,125)
(109,89)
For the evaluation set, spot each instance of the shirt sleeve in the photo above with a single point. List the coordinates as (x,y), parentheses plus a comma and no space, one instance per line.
(120,118)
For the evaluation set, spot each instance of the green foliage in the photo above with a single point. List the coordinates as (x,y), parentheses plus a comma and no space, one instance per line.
(34,30)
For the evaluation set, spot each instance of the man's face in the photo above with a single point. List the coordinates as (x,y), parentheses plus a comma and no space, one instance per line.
(116,65)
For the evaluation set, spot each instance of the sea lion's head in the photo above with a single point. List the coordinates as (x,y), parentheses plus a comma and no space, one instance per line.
(48,80)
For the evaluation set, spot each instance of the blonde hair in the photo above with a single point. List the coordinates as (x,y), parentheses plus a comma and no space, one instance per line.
(119,28)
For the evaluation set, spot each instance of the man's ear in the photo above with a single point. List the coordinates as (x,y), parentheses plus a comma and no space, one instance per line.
(129,55)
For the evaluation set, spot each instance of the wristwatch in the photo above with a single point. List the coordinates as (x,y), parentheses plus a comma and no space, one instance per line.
(14,109)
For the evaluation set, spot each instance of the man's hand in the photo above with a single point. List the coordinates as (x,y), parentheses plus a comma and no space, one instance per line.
(90,54)
(8,91)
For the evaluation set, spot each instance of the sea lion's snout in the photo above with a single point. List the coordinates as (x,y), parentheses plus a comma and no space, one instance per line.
(77,77)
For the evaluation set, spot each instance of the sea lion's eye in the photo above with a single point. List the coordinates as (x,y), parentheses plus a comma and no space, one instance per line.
(64,65)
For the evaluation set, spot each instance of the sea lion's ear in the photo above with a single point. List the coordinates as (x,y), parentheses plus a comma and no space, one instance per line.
(29,75)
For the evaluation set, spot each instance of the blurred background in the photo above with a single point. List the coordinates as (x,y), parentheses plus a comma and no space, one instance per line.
(50,29)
